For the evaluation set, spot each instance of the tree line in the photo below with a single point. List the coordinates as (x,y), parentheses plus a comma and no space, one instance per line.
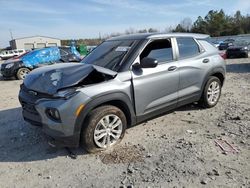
(215,23)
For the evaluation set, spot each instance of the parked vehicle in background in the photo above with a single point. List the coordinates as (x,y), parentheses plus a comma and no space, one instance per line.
(7,54)
(82,49)
(224,45)
(217,43)
(123,82)
(22,65)
(90,48)
(240,48)
(230,40)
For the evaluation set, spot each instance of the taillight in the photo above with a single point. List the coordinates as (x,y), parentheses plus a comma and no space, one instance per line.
(223,55)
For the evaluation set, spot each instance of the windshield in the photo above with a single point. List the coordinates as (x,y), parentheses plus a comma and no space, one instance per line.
(109,54)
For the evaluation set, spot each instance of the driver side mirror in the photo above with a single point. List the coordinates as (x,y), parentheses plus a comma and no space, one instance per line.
(147,62)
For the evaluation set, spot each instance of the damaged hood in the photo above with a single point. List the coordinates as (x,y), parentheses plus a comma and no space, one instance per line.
(50,79)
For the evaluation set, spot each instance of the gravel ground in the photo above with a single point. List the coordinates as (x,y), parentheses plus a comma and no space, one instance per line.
(174,150)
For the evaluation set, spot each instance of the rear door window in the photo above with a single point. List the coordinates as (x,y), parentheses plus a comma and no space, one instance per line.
(187,47)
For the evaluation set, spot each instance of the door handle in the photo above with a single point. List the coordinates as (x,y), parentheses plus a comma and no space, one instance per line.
(172,68)
(205,61)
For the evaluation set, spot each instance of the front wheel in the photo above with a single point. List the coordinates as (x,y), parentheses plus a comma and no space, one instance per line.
(211,93)
(105,127)
(22,73)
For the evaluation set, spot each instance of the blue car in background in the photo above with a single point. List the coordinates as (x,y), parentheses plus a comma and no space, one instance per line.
(20,66)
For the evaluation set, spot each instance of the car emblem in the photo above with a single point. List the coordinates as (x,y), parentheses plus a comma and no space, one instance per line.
(32,93)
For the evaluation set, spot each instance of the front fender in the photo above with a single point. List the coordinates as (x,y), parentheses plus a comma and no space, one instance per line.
(105,99)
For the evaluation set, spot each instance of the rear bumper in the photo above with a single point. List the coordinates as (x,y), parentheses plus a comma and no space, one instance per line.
(236,53)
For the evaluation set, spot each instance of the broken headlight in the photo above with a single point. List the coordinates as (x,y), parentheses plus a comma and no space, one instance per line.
(67,93)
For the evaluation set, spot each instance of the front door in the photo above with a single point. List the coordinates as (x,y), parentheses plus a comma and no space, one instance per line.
(156,88)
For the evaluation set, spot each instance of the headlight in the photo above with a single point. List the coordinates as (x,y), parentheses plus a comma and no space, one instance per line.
(67,93)
(9,65)
(244,48)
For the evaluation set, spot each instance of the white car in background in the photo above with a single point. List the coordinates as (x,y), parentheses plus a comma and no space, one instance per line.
(7,54)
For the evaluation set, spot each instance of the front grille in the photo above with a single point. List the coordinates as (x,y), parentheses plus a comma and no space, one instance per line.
(29,108)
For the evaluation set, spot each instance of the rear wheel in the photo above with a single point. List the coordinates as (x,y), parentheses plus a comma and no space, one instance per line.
(22,73)
(211,93)
(105,127)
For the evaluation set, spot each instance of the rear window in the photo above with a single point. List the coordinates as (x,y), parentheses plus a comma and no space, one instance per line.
(187,47)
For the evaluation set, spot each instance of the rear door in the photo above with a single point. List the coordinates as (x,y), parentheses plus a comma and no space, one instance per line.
(193,65)
(156,88)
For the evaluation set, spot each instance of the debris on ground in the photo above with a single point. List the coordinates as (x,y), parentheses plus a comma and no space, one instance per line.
(177,149)
(226,147)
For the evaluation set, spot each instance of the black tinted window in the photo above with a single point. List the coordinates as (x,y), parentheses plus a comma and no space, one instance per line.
(187,47)
(160,50)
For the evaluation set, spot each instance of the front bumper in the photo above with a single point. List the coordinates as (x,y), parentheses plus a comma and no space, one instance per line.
(8,72)
(63,131)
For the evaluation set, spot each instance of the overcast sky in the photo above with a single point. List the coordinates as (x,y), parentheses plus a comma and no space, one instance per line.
(86,18)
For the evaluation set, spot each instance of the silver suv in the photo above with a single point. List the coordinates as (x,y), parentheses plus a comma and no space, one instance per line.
(122,82)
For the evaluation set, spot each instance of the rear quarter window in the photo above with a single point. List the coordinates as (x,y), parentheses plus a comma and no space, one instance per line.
(188,47)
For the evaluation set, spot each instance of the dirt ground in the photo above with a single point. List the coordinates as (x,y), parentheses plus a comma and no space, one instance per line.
(174,150)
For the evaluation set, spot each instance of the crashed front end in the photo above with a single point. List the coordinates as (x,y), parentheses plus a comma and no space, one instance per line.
(50,98)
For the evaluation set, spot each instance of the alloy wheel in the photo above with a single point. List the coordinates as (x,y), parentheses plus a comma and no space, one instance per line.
(213,92)
(108,131)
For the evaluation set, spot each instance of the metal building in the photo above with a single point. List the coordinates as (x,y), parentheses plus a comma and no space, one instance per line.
(29,43)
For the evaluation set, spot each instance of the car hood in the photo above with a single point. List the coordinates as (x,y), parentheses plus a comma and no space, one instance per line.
(11,61)
(50,79)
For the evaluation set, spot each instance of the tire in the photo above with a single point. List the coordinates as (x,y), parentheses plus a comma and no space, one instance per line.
(210,100)
(21,73)
(92,133)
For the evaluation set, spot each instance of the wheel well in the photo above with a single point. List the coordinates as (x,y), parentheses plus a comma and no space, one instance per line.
(22,67)
(220,76)
(123,107)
